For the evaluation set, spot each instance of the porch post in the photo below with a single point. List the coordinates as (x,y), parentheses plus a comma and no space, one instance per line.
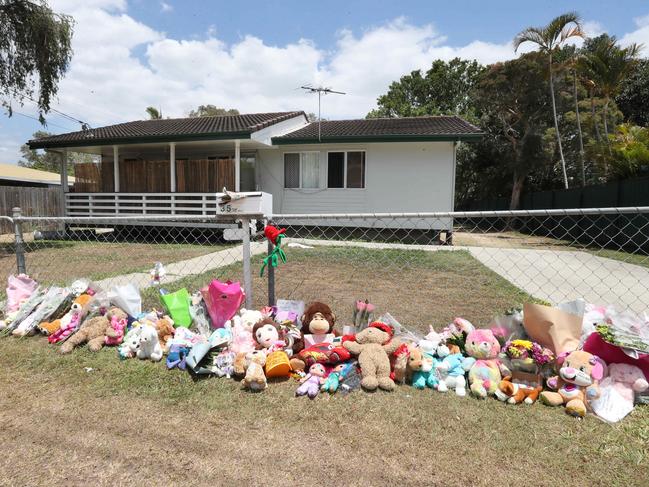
(64,180)
(116,168)
(237,165)
(172,166)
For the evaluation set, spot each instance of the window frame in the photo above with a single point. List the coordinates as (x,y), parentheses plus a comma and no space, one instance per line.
(346,151)
(300,187)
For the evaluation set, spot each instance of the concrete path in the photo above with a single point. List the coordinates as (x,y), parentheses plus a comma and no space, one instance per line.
(179,270)
(552,275)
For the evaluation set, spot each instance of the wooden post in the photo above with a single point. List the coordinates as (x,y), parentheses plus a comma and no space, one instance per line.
(116,168)
(64,181)
(237,165)
(172,175)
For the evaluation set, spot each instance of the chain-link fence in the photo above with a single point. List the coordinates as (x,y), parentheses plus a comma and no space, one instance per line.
(422,268)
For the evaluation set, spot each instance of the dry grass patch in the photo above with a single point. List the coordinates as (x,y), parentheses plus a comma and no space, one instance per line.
(135,422)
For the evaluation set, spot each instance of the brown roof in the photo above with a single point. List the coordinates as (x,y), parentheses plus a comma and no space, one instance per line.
(383,129)
(11,172)
(170,129)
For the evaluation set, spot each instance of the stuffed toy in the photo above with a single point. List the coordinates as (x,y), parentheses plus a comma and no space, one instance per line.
(223,364)
(131,343)
(618,392)
(399,364)
(310,383)
(336,377)
(577,382)
(485,368)
(450,371)
(373,346)
(255,379)
(515,389)
(79,306)
(268,336)
(177,357)
(242,342)
(118,322)
(166,330)
(420,365)
(149,345)
(317,329)
(92,331)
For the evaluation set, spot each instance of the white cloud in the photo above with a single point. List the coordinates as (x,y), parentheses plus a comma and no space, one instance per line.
(639,36)
(108,83)
(166,7)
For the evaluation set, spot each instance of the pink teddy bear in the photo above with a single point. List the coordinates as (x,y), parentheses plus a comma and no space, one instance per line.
(627,379)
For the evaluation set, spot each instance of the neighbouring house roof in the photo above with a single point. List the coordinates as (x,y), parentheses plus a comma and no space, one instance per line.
(11,172)
(438,128)
(168,130)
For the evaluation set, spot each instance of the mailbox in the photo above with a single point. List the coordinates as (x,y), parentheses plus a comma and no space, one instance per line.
(255,203)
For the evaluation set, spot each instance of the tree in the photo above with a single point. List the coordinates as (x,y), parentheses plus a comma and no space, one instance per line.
(154,113)
(35,52)
(445,89)
(212,111)
(633,96)
(608,65)
(630,146)
(549,39)
(49,161)
(512,104)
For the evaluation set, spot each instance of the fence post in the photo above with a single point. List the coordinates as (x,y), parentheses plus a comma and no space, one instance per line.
(20,247)
(271,278)
(247,277)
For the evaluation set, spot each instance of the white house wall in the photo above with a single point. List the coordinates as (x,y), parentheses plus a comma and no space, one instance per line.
(400,177)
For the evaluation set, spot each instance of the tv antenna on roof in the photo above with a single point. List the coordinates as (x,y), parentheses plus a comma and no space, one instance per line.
(321,91)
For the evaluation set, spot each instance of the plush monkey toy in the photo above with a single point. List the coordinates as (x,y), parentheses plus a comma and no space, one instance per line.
(318,319)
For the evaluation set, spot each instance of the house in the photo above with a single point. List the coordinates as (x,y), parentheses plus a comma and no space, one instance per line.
(338,166)
(13,175)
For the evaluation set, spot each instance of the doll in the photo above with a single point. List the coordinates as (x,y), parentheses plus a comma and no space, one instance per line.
(335,377)
(310,383)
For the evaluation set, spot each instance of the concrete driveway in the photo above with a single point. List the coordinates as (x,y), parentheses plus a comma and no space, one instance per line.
(556,276)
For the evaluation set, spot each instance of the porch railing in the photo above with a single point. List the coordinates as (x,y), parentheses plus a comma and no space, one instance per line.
(112,204)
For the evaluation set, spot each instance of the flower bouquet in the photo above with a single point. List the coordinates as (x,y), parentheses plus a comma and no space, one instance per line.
(526,356)
(361,315)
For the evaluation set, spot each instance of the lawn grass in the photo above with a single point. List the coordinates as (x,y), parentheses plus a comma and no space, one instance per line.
(89,416)
(61,261)
(419,288)
(134,421)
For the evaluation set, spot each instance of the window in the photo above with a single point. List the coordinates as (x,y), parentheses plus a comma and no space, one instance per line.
(302,170)
(346,169)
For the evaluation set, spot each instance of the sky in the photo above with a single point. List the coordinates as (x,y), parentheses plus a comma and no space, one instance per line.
(254,55)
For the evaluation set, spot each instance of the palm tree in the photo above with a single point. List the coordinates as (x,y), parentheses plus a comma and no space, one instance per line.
(549,39)
(154,113)
(608,65)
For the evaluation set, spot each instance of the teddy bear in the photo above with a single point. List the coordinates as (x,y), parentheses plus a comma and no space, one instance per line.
(118,322)
(242,342)
(91,331)
(484,366)
(166,330)
(79,306)
(373,346)
(618,391)
(450,371)
(149,345)
(130,344)
(577,382)
(516,390)
(419,368)
(255,379)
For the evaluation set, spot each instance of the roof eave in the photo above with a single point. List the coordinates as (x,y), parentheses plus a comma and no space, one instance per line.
(44,144)
(376,138)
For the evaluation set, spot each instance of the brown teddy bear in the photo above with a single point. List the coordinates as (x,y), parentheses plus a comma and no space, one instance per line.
(93,331)
(165,327)
(373,346)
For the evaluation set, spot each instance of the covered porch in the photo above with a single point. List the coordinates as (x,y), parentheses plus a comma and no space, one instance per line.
(171,178)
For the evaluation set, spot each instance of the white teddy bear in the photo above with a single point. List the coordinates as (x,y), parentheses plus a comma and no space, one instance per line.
(149,346)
